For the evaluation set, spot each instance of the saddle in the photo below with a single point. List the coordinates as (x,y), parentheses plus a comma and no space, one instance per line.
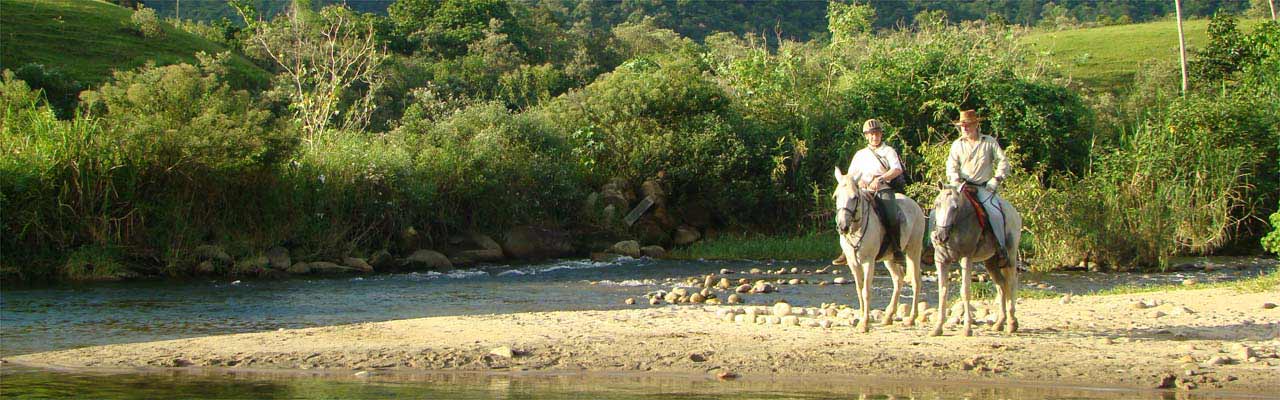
(978,209)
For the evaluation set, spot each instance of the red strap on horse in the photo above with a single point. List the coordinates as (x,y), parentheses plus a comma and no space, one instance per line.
(977,208)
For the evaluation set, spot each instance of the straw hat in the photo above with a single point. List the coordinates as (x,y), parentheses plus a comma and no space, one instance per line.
(872,125)
(968,117)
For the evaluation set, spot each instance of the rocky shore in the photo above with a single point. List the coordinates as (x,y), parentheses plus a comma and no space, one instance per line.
(1202,340)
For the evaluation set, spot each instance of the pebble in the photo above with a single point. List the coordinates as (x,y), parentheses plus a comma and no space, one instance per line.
(826,323)
(782,309)
(1190,282)
(725,271)
(1139,305)
(630,301)
(726,375)
(735,299)
(1066,299)
(791,320)
(1187,359)
(697,298)
(724,283)
(743,288)
(503,351)
(695,357)
(840,281)
(795,270)
(653,301)
(1219,360)
(729,317)
(755,271)
(1158,314)
(774,320)
(793,282)
(1268,306)
(361,374)
(709,281)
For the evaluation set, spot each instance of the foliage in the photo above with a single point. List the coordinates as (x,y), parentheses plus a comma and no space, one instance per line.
(146,24)
(60,90)
(1271,242)
(846,21)
(811,246)
(330,67)
(1225,54)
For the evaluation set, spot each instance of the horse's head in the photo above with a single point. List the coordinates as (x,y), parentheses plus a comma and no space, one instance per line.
(848,209)
(945,209)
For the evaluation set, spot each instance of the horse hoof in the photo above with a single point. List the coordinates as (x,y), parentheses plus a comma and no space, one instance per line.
(887,322)
(936,331)
(1012,328)
(862,327)
(967,332)
(909,322)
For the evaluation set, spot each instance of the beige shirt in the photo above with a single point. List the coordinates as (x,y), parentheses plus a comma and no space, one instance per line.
(976,162)
(867,166)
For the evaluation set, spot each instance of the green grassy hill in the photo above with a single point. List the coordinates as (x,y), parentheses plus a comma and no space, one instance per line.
(87,39)
(1107,57)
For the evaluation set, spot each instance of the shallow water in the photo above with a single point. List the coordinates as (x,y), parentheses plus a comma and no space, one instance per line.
(26,383)
(68,316)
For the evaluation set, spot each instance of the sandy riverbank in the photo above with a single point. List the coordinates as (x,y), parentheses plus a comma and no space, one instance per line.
(1093,340)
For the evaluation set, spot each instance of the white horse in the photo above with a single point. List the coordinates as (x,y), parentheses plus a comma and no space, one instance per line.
(957,235)
(861,235)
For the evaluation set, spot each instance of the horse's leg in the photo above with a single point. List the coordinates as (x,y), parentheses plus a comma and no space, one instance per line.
(997,273)
(965,264)
(895,271)
(856,270)
(913,271)
(941,264)
(1011,285)
(868,273)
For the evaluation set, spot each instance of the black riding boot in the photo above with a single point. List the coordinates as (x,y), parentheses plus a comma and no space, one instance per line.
(889,218)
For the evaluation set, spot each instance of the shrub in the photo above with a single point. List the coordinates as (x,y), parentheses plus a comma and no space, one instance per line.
(146,23)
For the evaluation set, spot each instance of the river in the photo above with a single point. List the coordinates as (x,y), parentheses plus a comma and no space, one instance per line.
(34,319)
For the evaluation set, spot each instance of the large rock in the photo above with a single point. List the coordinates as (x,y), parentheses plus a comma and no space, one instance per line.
(685,235)
(535,243)
(652,188)
(325,267)
(278,258)
(357,263)
(382,261)
(653,251)
(213,253)
(616,193)
(628,248)
(648,230)
(252,266)
(299,268)
(427,259)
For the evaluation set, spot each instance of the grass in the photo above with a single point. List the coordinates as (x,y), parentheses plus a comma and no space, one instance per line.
(1267,281)
(1107,57)
(87,39)
(812,246)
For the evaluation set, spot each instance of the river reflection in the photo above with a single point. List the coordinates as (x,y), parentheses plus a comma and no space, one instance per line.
(27,383)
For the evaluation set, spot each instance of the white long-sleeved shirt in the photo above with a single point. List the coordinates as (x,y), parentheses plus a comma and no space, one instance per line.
(976,162)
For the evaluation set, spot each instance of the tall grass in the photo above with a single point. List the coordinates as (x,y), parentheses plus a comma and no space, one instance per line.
(811,246)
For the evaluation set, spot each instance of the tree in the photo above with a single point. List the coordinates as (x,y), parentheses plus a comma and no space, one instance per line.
(329,67)
(846,21)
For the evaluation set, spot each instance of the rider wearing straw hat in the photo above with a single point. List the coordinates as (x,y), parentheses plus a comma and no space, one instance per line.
(977,162)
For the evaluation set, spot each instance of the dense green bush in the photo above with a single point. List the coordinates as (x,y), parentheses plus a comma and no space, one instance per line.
(146,23)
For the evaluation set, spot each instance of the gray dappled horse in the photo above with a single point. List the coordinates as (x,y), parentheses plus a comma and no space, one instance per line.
(861,235)
(957,236)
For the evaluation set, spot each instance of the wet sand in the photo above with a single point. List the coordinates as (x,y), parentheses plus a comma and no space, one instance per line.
(1215,340)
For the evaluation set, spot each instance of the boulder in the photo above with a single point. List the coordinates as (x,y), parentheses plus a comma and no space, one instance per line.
(652,188)
(485,255)
(427,259)
(685,235)
(382,261)
(252,265)
(213,253)
(325,267)
(299,268)
(653,251)
(278,258)
(629,248)
(649,230)
(358,264)
(534,243)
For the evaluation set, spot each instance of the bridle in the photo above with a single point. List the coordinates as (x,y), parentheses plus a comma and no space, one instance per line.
(857,244)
